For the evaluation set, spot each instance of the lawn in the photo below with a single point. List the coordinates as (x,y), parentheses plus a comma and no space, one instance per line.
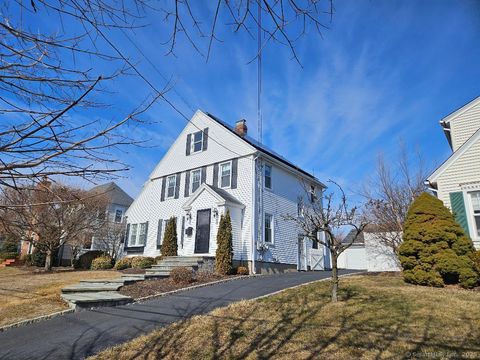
(25,294)
(379,317)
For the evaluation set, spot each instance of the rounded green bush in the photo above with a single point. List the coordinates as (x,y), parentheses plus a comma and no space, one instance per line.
(142,262)
(435,250)
(8,255)
(123,263)
(101,263)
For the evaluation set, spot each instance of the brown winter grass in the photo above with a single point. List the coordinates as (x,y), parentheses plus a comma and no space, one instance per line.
(379,317)
(25,294)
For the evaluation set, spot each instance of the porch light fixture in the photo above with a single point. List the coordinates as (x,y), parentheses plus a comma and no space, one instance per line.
(189,216)
(215,213)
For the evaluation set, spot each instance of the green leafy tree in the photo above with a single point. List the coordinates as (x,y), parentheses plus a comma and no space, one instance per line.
(435,250)
(224,253)
(169,245)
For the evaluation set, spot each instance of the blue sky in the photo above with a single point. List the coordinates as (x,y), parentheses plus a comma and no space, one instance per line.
(384,71)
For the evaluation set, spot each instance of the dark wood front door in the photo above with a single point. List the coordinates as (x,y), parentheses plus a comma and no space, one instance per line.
(202,234)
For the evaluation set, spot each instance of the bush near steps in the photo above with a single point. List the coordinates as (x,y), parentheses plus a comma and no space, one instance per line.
(435,250)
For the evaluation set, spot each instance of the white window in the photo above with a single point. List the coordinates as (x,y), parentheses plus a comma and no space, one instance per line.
(133,234)
(118,215)
(171,185)
(197,141)
(268,228)
(143,234)
(268,176)
(225,174)
(195,176)
(313,194)
(475,196)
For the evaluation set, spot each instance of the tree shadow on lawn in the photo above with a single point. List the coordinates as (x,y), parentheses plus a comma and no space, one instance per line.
(303,325)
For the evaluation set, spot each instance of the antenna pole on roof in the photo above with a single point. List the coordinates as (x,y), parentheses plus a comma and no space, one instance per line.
(259,73)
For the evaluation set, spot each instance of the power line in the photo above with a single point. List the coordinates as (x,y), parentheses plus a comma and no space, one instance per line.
(259,74)
(161,94)
(157,70)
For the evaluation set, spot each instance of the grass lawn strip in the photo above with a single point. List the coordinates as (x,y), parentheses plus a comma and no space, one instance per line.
(378,317)
(25,295)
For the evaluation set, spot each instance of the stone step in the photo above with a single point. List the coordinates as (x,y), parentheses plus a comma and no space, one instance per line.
(116,280)
(157,273)
(95,299)
(171,267)
(131,277)
(179,262)
(91,287)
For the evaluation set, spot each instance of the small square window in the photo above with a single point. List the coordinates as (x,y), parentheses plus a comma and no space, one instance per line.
(225,174)
(171,185)
(268,176)
(475,197)
(268,228)
(196,176)
(197,141)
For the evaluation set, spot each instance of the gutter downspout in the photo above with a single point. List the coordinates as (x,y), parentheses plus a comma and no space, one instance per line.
(254,211)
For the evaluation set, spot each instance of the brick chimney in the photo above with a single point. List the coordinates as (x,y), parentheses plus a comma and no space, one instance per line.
(241,127)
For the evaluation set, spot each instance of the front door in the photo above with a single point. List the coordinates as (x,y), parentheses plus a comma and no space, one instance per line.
(202,234)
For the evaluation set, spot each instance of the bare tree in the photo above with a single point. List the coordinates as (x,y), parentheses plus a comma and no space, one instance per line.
(325,220)
(389,194)
(49,215)
(58,57)
(110,238)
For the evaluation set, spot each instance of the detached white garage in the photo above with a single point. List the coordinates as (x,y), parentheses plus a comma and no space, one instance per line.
(368,253)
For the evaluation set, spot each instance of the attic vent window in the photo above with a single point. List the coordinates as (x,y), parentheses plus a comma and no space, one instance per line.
(197,143)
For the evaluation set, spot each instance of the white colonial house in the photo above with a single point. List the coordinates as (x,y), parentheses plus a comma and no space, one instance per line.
(209,169)
(457,181)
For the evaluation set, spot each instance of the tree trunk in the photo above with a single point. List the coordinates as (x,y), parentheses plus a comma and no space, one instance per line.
(48,260)
(334,277)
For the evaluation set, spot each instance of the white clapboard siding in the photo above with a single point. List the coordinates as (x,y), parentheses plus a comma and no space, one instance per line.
(465,125)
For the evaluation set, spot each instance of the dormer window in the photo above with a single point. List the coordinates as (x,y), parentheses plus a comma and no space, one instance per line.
(197,142)
(268,176)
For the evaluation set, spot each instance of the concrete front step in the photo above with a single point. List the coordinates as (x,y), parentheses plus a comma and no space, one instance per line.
(158,273)
(170,267)
(116,280)
(96,299)
(92,287)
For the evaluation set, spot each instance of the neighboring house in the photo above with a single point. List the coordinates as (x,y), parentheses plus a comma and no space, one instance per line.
(118,203)
(369,253)
(457,181)
(209,169)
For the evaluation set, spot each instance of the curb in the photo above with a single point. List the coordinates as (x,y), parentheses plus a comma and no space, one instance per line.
(36,319)
(304,284)
(193,287)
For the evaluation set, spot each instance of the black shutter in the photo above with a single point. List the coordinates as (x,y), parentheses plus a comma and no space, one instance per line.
(127,233)
(187,184)
(162,196)
(183,231)
(204,175)
(215,175)
(234,173)
(205,139)
(189,144)
(177,185)
(159,234)
(146,234)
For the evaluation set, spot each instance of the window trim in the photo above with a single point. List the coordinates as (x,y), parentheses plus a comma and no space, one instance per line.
(133,235)
(265,176)
(115,216)
(199,179)
(142,241)
(192,146)
(474,216)
(220,175)
(174,187)
(272,229)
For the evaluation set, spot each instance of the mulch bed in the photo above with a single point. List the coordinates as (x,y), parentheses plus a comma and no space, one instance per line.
(158,286)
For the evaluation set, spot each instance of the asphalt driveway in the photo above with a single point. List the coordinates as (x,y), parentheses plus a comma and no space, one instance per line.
(78,335)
